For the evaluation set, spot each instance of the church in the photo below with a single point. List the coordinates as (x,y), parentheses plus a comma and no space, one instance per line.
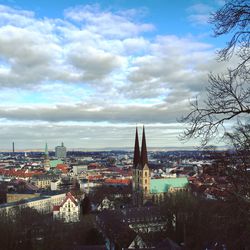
(146,188)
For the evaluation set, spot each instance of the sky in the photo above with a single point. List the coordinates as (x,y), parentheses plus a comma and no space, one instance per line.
(87,72)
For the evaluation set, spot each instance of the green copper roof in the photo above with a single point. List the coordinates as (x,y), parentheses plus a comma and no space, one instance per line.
(162,185)
(53,163)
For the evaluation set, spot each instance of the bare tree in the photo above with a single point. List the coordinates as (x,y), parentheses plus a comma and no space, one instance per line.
(240,160)
(240,139)
(228,95)
(234,17)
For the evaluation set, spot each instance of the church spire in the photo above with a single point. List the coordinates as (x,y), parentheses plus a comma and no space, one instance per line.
(144,153)
(136,150)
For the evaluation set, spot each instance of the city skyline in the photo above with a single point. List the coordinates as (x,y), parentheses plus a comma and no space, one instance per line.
(86,72)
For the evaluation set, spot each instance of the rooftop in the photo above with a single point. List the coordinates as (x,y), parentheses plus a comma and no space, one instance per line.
(163,185)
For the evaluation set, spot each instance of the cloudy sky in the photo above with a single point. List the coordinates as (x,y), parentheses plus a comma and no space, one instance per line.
(86,72)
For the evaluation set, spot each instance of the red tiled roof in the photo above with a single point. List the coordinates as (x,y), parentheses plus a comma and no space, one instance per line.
(71,197)
(94,165)
(120,171)
(19,173)
(94,177)
(118,181)
(63,167)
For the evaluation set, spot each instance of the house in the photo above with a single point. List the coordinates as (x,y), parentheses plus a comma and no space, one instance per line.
(54,185)
(43,181)
(106,204)
(154,243)
(68,210)
(145,219)
(137,243)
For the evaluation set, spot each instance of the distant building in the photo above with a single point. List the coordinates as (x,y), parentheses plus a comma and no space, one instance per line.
(14,197)
(43,181)
(106,204)
(146,188)
(60,151)
(43,204)
(68,210)
(77,169)
(54,163)
(54,185)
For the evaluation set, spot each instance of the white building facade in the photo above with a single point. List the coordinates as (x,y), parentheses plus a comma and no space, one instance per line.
(43,204)
(68,210)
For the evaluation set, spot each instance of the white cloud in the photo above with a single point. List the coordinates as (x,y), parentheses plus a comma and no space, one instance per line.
(172,65)
(95,66)
(37,51)
(159,113)
(199,13)
(106,23)
(85,136)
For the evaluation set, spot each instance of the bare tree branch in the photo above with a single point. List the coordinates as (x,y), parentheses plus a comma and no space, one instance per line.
(228,94)
(234,16)
(227,97)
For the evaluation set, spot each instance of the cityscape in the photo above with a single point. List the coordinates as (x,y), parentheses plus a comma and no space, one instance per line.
(128,186)
(125,125)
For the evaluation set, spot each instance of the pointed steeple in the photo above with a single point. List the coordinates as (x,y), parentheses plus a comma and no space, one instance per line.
(136,150)
(144,153)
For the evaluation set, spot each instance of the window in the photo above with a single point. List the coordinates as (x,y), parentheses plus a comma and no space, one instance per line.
(146,181)
(146,174)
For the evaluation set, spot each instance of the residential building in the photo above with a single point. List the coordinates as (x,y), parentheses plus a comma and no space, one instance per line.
(54,184)
(106,204)
(78,169)
(14,197)
(43,181)
(68,210)
(43,204)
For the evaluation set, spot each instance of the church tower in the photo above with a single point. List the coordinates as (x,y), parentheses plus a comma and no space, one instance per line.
(145,172)
(141,171)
